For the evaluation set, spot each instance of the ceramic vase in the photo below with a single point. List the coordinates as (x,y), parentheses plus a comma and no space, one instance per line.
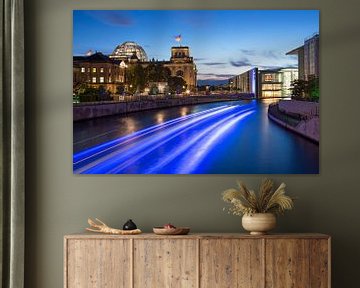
(259,223)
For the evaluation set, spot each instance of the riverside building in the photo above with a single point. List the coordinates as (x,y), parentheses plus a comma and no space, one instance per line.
(276,83)
(265,83)
(308,58)
(246,82)
(97,70)
(109,71)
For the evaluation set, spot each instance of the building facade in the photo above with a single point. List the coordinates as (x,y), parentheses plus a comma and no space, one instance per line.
(276,82)
(308,58)
(97,70)
(127,49)
(245,82)
(288,76)
(110,71)
(265,83)
(181,64)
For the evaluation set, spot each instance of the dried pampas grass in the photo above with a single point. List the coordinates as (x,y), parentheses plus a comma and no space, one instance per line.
(267,200)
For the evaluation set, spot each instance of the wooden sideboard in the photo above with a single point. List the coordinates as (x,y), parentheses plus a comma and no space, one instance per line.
(197,260)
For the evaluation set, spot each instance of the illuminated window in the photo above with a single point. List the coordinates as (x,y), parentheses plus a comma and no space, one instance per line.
(271,86)
(101,79)
(271,94)
(268,77)
(82,69)
(94,70)
(101,70)
(109,79)
(93,79)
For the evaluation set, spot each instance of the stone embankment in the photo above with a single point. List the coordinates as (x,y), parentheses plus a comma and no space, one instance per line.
(301,117)
(84,111)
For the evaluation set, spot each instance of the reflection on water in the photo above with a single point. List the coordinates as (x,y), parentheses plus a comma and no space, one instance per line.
(184,111)
(96,131)
(160,118)
(229,137)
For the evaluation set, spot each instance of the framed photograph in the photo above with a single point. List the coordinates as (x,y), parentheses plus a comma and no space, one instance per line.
(196,92)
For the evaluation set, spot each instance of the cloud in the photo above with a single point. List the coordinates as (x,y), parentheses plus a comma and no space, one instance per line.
(241,63)
(214,63)
(274,67)
(248,52)
(200,59)
(269,67)
(264,59)
(269,54)
(115,18)
(216,76)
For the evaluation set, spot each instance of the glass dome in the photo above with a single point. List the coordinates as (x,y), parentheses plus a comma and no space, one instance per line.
(127,50)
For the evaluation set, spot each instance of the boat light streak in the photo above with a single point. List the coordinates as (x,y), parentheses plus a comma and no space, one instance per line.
(184,148)
(99,149)
(111,160)
(204,147)
(83,154)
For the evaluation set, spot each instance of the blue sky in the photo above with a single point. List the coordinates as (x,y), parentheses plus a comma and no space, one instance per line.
(222,42)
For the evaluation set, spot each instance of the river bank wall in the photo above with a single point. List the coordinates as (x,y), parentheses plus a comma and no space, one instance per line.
(85,111)
(300,117)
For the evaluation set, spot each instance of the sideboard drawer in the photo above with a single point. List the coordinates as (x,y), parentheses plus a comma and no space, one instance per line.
(98,263)
(197,261)
(297,263)
(165,263)
(231,263)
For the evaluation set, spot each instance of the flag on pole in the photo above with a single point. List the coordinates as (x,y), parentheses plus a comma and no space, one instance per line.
(178,38)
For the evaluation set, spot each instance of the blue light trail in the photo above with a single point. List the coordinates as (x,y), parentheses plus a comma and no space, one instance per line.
(234,137)
(204,147)
(89,153)
(142,150)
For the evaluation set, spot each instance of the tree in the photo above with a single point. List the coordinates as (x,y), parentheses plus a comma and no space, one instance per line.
(176,85)
(93,94)
(153,89)
(313,88)
(157,73)
(120,89)
(135,78)
(298,88)
(306,89)
(80,88)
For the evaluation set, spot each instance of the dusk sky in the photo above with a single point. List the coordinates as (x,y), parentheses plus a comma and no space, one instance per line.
(223,42)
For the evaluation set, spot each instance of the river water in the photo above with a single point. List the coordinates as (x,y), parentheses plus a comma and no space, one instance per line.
(234,137)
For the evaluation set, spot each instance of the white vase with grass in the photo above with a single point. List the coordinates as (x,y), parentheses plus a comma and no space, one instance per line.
(258,210)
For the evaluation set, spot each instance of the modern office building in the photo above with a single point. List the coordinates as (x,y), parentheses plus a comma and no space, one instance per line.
(288,75)
(245,82)
(308,58)
(276,82)
(109,71)
(265,83)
